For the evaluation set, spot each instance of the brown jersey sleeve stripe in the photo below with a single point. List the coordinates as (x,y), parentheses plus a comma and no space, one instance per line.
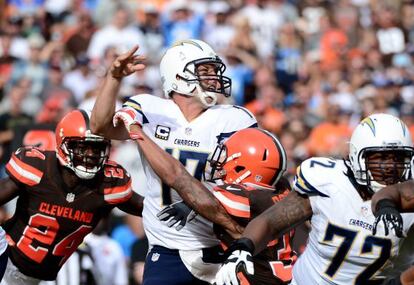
(118,194)
(239,207)
(23,172)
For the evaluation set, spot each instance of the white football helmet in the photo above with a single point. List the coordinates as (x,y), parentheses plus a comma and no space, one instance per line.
(178,70)
(381,133)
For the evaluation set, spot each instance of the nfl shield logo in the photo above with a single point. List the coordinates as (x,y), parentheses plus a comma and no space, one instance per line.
(155,256)
(70,197)
(188,131)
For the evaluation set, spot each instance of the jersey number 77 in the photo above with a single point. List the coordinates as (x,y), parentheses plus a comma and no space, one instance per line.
(194,162)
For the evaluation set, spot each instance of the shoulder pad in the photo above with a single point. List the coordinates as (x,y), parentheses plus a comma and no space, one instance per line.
(313,174)
(118,187)
(242,109)
(26,165)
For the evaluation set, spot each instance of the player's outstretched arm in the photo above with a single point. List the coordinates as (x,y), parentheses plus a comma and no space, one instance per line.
(277,220)
(134,205)
(104,108)
(193,192)
(401,195)
(272,223)
(9,190)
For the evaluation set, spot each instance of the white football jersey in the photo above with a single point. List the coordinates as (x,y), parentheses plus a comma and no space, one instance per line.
(341,248)
(191,143)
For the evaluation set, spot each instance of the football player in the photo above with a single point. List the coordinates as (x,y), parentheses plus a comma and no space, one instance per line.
(387,204)
(187,124)
(336,196)
(246,178)
(62,195)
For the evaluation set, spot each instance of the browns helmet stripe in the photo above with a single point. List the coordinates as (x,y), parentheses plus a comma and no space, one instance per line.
(282,159)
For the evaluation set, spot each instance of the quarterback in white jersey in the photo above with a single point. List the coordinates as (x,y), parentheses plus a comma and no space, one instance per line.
(336,196)
(191,143)
(188,125)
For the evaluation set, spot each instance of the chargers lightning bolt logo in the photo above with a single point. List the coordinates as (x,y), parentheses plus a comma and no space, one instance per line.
(370,124)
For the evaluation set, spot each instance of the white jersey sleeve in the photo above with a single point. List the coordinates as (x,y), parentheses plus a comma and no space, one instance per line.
(136,103)
(312,175)
(233,118)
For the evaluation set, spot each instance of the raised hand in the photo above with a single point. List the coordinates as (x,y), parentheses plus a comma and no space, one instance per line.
(127,63)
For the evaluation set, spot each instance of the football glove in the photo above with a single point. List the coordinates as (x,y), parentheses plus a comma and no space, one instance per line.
(387,213)
(178,214)
(393,281)
(128,117)
(240,259)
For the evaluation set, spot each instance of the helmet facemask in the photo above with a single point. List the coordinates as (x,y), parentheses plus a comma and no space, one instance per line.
(219,160)
(382,166)
(86,156)
(207,76)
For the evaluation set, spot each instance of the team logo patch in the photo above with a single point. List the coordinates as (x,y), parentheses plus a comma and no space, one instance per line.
(70,197)
(162,132)
(364,211)
(155,256)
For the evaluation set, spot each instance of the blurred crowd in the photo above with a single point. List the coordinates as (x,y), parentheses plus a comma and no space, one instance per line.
(309,70)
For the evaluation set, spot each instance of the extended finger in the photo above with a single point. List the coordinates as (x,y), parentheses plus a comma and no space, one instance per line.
(172,222)
(128,54)
(385,222)
(374,228)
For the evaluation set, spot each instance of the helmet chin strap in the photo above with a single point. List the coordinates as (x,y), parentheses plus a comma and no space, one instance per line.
(204,95)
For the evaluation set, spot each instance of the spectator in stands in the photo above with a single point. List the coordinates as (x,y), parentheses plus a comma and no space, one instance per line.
(119,33)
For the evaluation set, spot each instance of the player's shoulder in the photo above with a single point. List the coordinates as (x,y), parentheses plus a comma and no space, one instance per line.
(232,110)
(234,199)
(147,100)
(117,183)
(237,189)
(28,165)
(315,174)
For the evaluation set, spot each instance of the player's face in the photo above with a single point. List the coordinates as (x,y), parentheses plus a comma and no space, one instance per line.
(387,167)
(207,75)
(87,153)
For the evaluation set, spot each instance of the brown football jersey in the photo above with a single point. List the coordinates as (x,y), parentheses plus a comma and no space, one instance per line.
(51,220)
(274,264)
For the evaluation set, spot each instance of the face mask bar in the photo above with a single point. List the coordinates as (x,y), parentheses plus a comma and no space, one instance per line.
(224,81)
(216,163)
(393,166)
(87,155)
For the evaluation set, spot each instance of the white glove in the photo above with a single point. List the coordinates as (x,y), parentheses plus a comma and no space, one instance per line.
(238,259)
(127,116)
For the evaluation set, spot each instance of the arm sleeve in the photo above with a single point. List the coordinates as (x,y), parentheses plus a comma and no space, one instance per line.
(23,169)
(119,188)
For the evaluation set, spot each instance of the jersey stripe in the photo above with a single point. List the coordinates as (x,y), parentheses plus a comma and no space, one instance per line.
(136,107)
(118,194)
(234,205)
(23,172)
(302,184)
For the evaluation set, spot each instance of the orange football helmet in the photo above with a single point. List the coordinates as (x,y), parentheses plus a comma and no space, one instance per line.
(250,156)
(77,148)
